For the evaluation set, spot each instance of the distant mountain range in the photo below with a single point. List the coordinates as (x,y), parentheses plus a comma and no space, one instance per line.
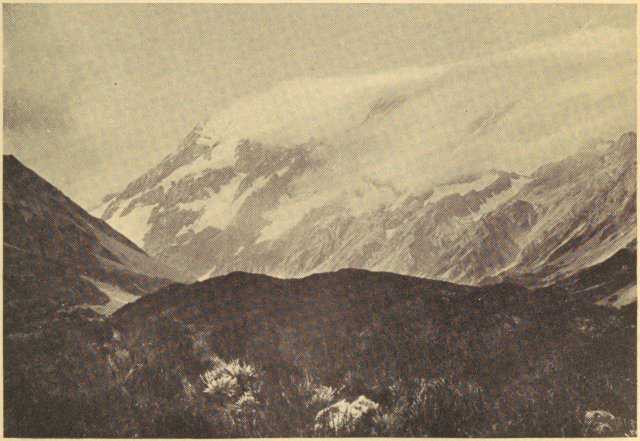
(474,172)
(57,256)
(551,226)
(412,172)
(475,228)
(456,246)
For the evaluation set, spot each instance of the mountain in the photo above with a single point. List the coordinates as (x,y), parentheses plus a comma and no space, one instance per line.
(612,282)
(490,169)
(57,256)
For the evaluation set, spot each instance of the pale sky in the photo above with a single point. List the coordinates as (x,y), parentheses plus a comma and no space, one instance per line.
(94,95)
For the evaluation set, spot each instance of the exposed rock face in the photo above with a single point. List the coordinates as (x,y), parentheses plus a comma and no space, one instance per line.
(412,172)
(343,416)
(600,423)
(480,228)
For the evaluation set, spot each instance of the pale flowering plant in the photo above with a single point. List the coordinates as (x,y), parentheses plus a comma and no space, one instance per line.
(235,381)
(217,383)
(323,395)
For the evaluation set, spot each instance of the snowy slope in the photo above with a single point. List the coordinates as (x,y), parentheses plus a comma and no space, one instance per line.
(400,171)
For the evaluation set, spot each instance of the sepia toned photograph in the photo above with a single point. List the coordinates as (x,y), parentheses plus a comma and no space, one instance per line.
(319,220)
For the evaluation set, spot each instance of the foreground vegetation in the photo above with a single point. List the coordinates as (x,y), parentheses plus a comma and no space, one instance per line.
(492,362)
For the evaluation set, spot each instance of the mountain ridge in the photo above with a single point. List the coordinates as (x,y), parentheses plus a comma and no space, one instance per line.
(402,171)
(454,221)
(57,256)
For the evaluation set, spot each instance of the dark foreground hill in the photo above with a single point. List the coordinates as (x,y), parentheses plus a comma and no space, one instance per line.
(438,359)
(57,256)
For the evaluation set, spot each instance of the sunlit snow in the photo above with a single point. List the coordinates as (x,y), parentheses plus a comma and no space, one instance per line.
(134,225)
(381,137)
(223,155)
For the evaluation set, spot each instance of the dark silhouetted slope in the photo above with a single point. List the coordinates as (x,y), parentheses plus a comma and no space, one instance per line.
(54,251)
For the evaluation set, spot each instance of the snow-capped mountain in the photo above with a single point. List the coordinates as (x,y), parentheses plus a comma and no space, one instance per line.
(497,167)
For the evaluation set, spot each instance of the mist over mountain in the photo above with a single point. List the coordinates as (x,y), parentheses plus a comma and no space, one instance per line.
(443,251)
(450,172)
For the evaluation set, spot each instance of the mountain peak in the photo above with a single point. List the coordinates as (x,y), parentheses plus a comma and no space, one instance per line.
(626,146)
(629,138)
(12,164)
(413,171)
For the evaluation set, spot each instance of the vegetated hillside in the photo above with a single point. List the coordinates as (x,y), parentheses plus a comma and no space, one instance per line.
(329,323)
(438,359)
(55,252)
(410,171)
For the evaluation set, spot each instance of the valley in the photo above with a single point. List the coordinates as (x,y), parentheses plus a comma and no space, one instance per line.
(319,221)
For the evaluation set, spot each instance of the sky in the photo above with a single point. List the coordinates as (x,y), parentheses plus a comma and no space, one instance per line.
(94,95)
